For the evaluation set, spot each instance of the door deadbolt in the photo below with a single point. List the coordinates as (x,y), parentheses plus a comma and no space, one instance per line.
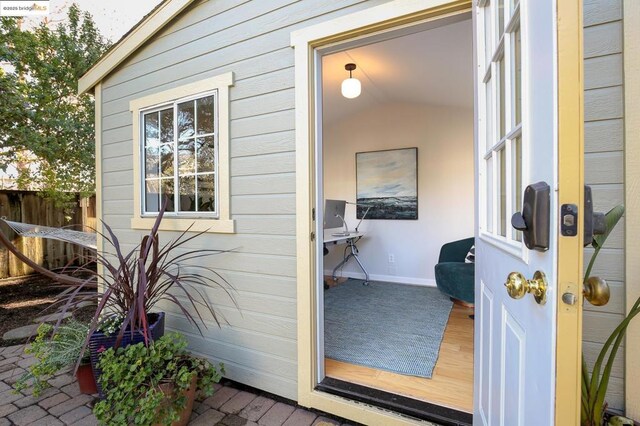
(518,285)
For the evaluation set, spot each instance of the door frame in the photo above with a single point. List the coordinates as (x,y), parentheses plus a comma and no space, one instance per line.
(392,16)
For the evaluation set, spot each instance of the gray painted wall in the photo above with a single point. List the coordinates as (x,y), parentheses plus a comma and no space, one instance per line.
(252,40)
(604,168)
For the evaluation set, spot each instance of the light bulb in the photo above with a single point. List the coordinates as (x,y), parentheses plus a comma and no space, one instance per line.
(351,88)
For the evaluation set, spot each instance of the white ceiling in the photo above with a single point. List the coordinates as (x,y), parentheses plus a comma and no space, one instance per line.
(432,67)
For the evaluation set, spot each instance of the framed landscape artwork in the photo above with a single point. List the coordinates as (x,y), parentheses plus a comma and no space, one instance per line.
(387,182)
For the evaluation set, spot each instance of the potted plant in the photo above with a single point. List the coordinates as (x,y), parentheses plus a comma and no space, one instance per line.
(596,382)
(153,384)
(55,351)
(134,282)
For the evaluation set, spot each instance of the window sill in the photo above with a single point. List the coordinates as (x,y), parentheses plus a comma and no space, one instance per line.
(220,226)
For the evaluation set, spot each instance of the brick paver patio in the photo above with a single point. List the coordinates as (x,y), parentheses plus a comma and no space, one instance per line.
(63,404)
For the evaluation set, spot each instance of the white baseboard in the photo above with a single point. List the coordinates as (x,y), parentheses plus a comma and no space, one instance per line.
(427,282)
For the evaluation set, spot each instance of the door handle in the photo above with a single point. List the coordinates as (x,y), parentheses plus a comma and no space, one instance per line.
(596,291)
(518,285)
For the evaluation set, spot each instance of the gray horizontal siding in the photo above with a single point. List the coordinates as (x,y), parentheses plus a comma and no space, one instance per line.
(604,172)
(258,346)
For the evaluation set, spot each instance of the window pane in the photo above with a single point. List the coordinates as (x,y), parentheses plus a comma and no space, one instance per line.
(166,125)
(151,129)
(489,115)
(152,195)
(167,191)
(205,115)
(489,194)
(206,193)
(206,154)
(186,117)
(187,194)
(187,156)
(502,191)
(516,150)
(151,162)
(502,90)
(166,160)
(518,75)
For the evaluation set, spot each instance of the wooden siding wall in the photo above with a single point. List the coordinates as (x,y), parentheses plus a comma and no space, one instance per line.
(250,38)
(28,207)
(604,171)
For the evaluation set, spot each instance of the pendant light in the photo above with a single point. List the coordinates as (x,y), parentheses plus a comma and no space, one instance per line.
(351,87)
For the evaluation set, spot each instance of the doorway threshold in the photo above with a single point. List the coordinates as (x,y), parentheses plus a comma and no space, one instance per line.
(400,404)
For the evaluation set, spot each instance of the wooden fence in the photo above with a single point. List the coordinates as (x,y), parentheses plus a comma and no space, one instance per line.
(29,207)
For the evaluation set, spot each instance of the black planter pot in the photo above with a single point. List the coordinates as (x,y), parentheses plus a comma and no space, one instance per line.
(99,342)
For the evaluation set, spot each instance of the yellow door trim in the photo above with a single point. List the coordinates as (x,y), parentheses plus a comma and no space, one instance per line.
(390,16)
(571,191)
(631,53)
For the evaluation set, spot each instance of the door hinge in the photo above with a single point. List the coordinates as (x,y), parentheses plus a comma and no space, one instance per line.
(313,236)
(313,214)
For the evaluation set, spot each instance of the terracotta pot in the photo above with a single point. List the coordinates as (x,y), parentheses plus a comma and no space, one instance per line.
(190,394)
(86,379)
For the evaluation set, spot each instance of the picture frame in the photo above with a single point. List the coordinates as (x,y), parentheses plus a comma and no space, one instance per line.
(387,184)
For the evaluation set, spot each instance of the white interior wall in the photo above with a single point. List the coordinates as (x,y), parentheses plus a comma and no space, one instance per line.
(444,137)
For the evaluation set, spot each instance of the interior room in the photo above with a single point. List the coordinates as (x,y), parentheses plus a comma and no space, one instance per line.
(398,176)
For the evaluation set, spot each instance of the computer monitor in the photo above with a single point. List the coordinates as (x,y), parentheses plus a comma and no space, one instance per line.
(334,213)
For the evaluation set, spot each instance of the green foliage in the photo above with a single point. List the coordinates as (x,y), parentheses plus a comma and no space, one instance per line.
(595,384)
(132,377)
(53,350)
(44,121)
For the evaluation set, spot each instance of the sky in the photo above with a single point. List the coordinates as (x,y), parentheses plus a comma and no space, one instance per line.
(113,17)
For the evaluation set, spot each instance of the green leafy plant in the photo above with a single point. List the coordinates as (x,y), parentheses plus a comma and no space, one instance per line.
(54,351)
(595,384)
(135,378)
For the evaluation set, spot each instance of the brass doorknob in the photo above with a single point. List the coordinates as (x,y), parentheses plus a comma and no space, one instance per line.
(596,291)
(518,285)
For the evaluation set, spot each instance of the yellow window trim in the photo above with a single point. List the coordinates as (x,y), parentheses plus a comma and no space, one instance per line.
(223,223)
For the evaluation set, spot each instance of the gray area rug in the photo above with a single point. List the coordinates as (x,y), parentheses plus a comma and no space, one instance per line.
(392,327)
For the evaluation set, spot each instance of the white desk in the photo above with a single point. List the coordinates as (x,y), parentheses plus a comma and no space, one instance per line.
(351,241)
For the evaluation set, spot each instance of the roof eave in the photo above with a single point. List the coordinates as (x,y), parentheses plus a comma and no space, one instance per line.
(141,32)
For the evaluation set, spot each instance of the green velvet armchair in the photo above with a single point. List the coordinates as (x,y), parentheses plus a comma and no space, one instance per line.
(454,277)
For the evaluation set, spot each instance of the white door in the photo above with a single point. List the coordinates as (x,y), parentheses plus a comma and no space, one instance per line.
(518,144)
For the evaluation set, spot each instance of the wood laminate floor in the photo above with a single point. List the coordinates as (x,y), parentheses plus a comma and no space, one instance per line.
(452,382)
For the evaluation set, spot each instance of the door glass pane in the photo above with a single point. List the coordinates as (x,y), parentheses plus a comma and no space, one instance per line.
(489,115)
(206,193)
(488,31)
(518,75)
(186,120)
(501,106)
(500,17)
(516,151)
(502,193)
(489,183)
